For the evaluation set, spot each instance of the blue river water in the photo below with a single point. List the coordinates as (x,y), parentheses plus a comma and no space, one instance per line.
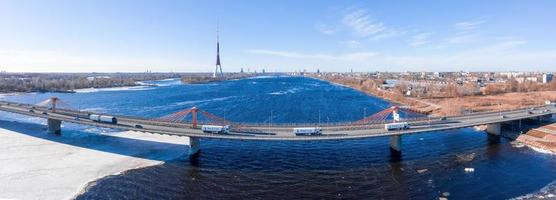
(431,165)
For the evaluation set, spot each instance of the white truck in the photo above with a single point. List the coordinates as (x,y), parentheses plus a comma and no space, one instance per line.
(215,129)
(103,118)
(396,126)
(307,131)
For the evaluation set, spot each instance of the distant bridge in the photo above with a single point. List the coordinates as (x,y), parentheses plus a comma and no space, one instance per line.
(179,124)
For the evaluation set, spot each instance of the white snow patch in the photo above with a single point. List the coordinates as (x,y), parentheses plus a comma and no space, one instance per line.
(161,83)
(262,77)
(541,150)
(134,88)
(37,165)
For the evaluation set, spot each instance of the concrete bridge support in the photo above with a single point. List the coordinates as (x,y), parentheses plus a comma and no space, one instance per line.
(396,144)
(54,126)
(494,129)
(194,146)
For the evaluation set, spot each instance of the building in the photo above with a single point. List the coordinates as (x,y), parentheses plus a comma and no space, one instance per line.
(526,79)
(546,78)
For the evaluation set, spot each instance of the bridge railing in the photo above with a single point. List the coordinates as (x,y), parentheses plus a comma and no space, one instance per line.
(494,112)
(344,125)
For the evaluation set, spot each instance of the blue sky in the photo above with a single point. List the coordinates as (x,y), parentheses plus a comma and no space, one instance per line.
(179,36)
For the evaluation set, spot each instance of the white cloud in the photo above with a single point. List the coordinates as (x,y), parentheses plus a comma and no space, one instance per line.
(465,32)
(325,29)
(352,57)
(388,33)
(503,55)
(468,25)
(420,39)
(501,47)
(364,25)
(462,38)
(350,43)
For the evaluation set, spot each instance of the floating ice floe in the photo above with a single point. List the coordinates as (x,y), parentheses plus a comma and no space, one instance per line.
(420,171)
(465,158)
(469,169)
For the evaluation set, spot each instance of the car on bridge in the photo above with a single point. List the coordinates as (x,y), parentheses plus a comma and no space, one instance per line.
(215,129)
(103,118)
(396,126)
(307,131)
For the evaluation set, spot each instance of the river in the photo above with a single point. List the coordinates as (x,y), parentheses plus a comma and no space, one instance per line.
(431,166)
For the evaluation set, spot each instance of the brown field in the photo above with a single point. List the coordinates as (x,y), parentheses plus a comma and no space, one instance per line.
(448,106)
(451,106)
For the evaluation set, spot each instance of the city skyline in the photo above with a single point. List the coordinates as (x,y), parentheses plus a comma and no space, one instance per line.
(178,36)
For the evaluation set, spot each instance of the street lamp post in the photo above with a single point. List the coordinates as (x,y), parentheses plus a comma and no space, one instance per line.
(270,120)
(319,118)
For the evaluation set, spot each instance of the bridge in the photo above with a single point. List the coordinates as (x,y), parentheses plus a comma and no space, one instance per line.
(187,123)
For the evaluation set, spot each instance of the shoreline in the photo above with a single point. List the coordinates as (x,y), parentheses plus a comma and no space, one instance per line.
(447,106)
(381,95)
(227,77)
(84,188)
(140,85)
(347,86)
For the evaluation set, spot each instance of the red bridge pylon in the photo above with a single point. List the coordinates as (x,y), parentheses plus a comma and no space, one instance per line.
(394,112)
(182,116)
(54,102)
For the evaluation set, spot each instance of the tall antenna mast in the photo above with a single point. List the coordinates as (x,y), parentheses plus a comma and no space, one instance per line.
(218,65)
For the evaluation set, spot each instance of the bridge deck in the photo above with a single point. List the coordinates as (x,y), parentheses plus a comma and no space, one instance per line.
(276,132)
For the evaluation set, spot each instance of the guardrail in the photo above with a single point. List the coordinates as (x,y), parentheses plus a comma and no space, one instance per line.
(345,125)
(368,130)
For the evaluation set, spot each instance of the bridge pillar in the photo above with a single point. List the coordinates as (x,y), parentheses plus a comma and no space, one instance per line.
(396,144)
(494,129)
(54,126)
(194,146)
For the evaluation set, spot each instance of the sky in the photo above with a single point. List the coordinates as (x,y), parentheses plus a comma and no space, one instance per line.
(284,36)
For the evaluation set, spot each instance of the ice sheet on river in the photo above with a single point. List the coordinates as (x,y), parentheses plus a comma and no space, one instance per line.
(89,90)
(37,165)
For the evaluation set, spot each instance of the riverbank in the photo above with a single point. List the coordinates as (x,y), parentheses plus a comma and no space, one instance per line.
(542,138)
(449,105)
(37,165)
(68,82)
(371,88)
(208,78)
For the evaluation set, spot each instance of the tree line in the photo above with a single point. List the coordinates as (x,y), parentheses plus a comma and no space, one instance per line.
(66,82)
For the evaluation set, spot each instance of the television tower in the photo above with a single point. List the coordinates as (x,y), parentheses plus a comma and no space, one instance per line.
(218,66)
